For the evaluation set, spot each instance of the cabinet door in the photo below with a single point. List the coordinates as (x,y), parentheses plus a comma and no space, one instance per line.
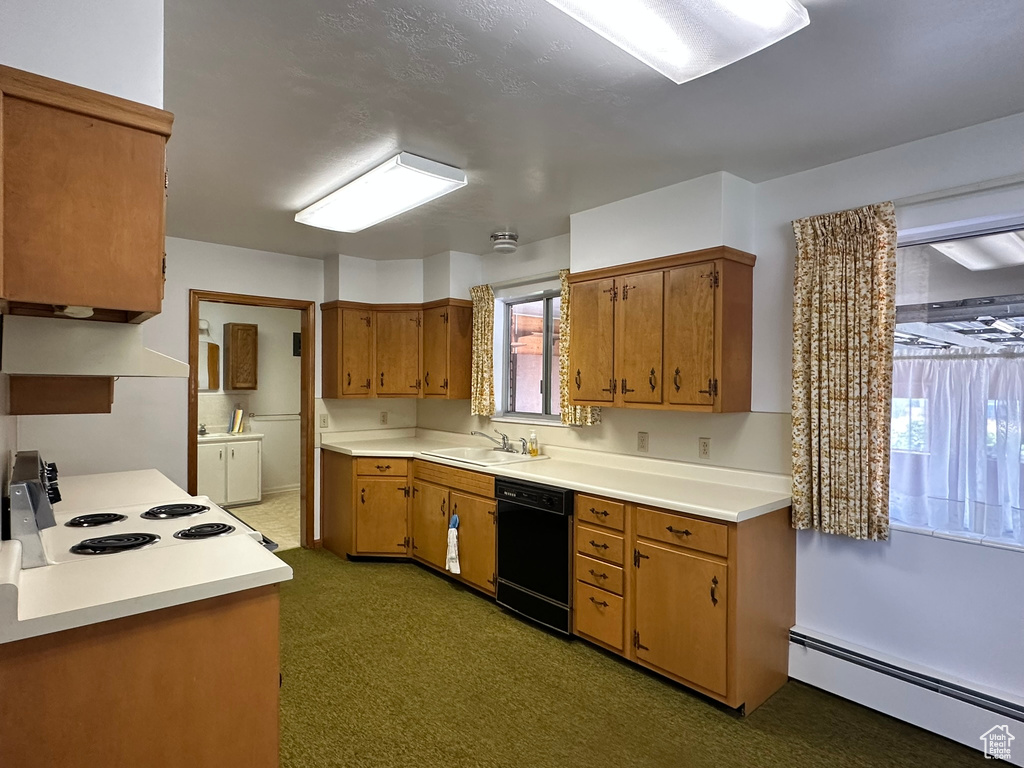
(476,539)
(356,352)
(592,347)
(398,353)
(243,471)
(690,334)
(381,519)
(435,352)
(460,352)
(211,471)
(83,209)
(241,356)
(429,522)
(681,608)
(638,347)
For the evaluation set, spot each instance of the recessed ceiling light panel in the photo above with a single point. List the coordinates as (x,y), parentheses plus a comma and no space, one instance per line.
(395,186)
(1005,249)
(684,40)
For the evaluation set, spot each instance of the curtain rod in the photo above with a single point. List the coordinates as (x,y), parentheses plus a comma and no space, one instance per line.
(517,281)
(980,186)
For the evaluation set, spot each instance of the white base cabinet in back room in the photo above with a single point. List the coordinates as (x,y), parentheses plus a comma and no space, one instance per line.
(229,472)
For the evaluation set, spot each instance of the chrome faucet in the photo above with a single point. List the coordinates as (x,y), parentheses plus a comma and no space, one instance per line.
(503,444)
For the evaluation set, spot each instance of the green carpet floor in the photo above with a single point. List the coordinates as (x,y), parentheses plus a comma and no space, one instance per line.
(386,664)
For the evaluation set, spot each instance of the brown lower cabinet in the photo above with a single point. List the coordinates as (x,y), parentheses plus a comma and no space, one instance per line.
(387,507)
(176,704)
(708,604)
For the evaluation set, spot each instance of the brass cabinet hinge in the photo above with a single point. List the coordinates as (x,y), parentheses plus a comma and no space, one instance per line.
(638,556)
(613,292)
(636,642)
(445,316)
(712,388)
(405,490)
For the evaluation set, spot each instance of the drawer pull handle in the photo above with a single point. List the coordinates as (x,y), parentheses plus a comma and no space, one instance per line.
(714,590)
(601,512)
(348,378)
(426,378)
(362,495)
(600,603)
(595,545)
(384,468)
(675,380)
(579,382)
(683,532)
(597,575)
(652,379)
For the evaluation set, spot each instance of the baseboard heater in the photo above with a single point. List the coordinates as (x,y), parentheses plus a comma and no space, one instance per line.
(960,693)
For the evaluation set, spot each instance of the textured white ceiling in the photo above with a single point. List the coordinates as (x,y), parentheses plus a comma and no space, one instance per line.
(278,103)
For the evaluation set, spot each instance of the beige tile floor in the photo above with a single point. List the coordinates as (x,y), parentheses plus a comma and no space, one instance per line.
(276,517)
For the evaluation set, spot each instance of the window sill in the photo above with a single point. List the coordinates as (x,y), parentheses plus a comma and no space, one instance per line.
(966,538)
(536,422)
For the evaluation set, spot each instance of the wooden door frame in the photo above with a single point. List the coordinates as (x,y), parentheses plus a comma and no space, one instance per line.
(306,406)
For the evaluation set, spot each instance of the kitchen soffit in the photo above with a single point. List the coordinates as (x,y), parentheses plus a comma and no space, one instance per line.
(277,103)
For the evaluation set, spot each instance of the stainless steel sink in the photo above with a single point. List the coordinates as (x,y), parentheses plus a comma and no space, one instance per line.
(481,457)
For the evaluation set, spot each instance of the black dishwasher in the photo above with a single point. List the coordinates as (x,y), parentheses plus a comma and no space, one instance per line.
(535,552)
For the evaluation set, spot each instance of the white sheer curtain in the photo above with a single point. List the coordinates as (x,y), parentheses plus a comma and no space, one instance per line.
(956,458)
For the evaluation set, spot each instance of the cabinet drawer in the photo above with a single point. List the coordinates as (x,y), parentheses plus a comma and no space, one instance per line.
(601,544)
(592,510)
(599,574)
(457,479)
(599,615)
(382,467)
(690,532)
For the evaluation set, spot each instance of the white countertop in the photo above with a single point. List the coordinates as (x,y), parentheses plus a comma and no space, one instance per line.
(228,437)
(715,492)
(52,598)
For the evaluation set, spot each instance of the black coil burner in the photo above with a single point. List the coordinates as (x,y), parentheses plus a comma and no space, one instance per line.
(205,531)
(115,542)
(172,511)
(91,521)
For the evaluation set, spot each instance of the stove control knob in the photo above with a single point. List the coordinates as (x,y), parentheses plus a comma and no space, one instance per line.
(53,493)
(51,472)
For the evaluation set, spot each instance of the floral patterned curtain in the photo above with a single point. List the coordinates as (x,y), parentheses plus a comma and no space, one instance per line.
(482,381)
(843,321)
(573,415)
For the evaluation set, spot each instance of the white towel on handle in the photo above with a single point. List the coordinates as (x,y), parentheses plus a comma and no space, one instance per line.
(452,561)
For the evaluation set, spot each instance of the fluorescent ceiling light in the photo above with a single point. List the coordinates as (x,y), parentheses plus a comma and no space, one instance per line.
(395,186)
(684,40)
(977,254)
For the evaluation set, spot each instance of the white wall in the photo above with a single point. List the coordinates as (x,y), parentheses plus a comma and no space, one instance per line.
(544,257)
(378,282)
(944,604)
(115,46)
(712,210)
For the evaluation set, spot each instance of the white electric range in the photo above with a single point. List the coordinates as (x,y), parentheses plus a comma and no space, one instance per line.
(113,531)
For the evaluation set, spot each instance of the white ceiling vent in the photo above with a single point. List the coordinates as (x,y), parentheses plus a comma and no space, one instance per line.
(505,242)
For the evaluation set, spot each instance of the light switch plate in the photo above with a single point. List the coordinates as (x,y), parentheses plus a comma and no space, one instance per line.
(383,418)
(642,442)
(325,421)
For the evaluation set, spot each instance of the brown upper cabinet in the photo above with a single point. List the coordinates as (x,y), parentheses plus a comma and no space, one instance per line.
(447,349)
(82,203)
(397,350)
(670,333)
(397,343)
(241,356)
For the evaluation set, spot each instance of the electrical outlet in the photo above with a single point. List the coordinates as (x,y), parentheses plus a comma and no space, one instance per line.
(383,417)
(703,447)
(325,421)
(642,441)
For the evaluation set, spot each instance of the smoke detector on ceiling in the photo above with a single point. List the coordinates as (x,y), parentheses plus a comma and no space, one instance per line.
(505,242)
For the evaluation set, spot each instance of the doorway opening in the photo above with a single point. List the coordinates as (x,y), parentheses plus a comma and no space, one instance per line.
(251,370)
